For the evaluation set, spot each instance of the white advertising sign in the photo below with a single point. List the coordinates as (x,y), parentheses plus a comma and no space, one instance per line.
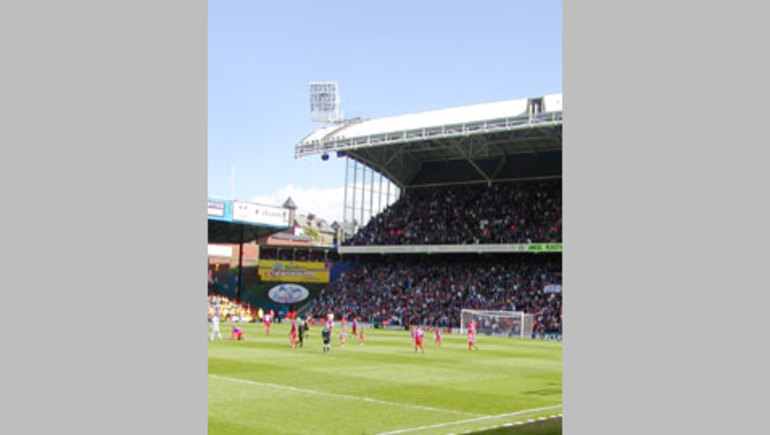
(216,208)
(288,293)
(220,251)
(260,214)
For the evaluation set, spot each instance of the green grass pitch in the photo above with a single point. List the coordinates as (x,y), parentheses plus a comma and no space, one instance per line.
(262,385)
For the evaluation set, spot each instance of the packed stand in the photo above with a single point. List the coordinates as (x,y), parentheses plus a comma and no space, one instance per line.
(432,290)
(513,212)
(230,310)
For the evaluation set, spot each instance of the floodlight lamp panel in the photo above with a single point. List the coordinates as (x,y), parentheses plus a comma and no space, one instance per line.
(324,101)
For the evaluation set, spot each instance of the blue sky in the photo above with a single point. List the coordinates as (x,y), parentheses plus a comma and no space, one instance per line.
(388,58)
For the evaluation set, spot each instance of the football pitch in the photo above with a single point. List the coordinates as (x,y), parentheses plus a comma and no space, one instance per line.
(262,385)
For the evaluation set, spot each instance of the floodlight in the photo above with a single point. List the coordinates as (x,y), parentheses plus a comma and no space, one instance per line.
(324,102)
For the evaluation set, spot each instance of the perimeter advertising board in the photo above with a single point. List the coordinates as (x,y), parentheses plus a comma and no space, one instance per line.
(544,247)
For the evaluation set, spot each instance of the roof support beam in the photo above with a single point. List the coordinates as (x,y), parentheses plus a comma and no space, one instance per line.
(466,155)
(395,154)
(499,166)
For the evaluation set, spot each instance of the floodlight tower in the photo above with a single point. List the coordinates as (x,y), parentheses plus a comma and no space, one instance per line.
(325,108)
(325,102)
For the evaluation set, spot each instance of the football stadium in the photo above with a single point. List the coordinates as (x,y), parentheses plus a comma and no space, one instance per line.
(436,306)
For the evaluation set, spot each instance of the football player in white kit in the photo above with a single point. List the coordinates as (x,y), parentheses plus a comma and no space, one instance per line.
(215,327)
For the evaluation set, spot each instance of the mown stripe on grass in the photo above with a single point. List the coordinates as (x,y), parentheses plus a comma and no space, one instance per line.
(472,420)
(341,396)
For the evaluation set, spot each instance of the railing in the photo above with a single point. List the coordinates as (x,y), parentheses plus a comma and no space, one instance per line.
(332,143)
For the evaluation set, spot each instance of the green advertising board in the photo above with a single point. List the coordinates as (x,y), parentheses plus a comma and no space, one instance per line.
(544,247)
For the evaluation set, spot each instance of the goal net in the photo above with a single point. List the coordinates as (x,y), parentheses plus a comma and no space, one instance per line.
(505,323)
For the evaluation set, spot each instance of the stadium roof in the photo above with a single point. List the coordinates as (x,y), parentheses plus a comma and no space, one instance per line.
(482,142)
(234,232)
(231,221)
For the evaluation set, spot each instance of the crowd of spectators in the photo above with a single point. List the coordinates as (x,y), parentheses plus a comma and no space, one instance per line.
(512,212)
(432,290)
(230,310)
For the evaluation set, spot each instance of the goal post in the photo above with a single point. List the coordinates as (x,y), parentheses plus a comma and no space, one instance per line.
(503,323)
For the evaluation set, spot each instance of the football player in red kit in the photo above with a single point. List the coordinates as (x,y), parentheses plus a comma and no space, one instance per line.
(417,334)
(472,339)
(293,333)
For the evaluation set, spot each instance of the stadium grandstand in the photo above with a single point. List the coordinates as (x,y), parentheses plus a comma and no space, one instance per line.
(472,217)
(261,257)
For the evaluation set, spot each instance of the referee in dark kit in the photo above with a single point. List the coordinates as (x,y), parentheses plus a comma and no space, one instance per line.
(326,334)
